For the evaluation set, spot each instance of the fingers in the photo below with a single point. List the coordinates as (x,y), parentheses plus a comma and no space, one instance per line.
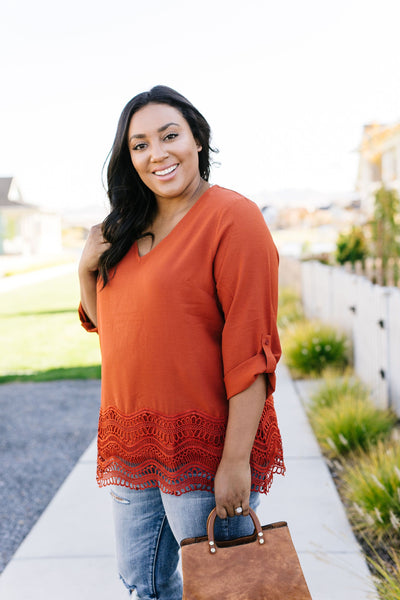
(232,489)
(96,233)
(238,508)
(93,249)
(246,509)
(221,512)
(226,507)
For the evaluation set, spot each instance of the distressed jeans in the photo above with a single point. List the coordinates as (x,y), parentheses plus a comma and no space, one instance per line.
(149,526)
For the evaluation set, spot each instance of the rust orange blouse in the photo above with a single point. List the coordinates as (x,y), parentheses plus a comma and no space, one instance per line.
(183,329)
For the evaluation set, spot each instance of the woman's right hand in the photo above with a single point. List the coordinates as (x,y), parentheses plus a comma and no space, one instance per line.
(88,267)
(93,249)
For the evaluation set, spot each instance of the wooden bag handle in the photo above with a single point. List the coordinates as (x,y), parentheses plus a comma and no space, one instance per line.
(210,529)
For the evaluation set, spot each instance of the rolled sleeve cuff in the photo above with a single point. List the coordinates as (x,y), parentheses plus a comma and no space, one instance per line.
(241,377)
(85,321)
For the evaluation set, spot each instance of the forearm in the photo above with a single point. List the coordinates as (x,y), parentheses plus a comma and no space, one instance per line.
(245,410)
(88,288)
(233,478)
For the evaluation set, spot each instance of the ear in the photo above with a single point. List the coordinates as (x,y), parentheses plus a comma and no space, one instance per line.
(199,147)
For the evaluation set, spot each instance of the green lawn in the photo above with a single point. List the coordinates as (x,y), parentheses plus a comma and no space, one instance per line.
(40,334)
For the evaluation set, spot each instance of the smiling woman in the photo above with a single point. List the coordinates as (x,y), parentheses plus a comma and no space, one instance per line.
(133,203)
(180,282)
(166,159)
(165,154)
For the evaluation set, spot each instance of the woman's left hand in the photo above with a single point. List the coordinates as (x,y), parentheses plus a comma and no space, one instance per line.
(232,481)
(232,488)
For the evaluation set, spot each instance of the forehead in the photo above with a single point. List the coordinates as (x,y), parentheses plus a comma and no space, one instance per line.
(153,116)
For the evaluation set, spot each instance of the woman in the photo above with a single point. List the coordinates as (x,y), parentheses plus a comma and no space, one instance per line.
(180,281)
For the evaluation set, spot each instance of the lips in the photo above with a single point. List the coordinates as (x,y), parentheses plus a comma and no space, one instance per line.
(166,171)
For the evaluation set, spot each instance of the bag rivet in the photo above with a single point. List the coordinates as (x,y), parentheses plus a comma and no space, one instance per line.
(260,534)
(211,543)
(213,550)
(261,540)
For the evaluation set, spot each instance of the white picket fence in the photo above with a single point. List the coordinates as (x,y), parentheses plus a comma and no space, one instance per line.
(370,314)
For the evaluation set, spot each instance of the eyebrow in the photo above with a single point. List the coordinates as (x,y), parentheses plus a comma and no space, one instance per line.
(160,130)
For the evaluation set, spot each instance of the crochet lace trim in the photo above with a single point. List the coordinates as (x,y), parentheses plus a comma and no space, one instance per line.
(178,453)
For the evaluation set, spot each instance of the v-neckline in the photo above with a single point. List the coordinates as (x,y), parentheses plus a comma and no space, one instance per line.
(174,229)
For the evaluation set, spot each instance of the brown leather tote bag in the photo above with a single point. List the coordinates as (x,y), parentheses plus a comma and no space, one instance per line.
(262,566)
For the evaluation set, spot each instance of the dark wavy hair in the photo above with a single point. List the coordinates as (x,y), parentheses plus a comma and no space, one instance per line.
(133,204)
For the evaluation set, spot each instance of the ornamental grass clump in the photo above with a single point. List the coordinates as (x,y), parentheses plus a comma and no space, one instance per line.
(290,308)
(388,580)
(350,424)
(310,347)
(335,387)
(371,486)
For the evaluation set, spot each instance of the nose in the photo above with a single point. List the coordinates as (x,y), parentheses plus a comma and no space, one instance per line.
(158,152)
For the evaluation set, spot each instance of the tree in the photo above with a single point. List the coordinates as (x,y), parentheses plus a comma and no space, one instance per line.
(385,228)
(351,247)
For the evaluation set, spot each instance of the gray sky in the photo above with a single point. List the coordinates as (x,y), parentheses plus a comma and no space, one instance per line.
(286,86)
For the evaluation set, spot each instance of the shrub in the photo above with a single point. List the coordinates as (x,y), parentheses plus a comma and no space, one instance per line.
(388,583)
(335,387)
(290,309)
(372,489)
(352,246)
(311,347)
(350,424)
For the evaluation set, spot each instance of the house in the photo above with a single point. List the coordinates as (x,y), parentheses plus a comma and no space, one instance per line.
(24,228)
(379,162)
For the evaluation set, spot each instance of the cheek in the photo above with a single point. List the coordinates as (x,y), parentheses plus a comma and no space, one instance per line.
(191,153)
(137,163)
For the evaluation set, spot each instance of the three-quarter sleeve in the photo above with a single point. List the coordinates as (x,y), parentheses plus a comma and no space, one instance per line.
(85,321)
(246,276)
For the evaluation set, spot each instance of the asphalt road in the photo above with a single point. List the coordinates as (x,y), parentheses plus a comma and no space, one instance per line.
(44,429)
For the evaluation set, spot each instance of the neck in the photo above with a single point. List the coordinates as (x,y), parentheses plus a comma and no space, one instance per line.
(169,207)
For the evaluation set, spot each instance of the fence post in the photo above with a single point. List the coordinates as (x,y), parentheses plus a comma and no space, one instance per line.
(370,340)
(393,301)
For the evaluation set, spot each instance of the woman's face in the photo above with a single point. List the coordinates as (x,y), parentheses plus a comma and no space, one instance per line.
(164,151)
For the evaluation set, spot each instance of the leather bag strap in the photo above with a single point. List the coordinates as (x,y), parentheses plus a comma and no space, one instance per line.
(210,529)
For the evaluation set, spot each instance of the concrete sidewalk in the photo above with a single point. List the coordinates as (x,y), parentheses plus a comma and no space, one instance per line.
(70,551)
(7,284)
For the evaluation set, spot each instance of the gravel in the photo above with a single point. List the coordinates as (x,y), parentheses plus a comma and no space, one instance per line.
(44,429)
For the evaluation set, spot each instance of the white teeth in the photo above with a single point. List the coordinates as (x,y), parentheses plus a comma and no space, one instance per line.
(166,171)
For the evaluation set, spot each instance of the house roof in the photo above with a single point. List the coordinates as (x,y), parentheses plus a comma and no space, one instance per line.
(5,186)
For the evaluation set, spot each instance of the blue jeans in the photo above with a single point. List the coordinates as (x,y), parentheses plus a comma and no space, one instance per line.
(149,526)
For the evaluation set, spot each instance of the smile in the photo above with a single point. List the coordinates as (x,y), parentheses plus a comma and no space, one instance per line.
(166,171)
